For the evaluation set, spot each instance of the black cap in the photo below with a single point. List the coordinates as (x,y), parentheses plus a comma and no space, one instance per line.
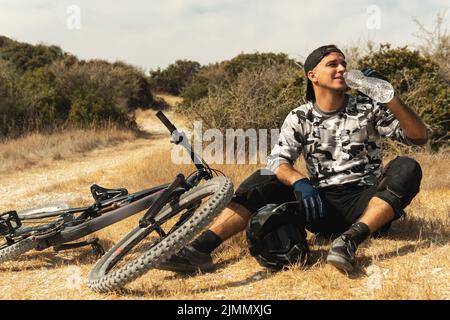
(312,61)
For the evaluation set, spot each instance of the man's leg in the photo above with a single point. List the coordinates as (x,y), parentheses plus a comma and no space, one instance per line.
(256,191)
(197,256)
(233,219)
(342,251)
(377,214)
(399,185)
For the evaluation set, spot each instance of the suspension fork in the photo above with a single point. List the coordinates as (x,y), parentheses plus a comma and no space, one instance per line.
(167,193)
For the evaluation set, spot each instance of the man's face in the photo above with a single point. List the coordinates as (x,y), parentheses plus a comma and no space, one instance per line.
(329,72)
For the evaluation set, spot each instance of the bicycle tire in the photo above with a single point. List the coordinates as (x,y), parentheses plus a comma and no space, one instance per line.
(16,249)
(101,280)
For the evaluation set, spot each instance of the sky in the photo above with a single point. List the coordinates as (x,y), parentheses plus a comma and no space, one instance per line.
(151,34)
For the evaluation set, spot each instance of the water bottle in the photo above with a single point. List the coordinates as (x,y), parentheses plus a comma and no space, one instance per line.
(377,89)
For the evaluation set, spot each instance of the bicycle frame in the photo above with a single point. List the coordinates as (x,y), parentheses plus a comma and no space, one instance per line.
(72,233)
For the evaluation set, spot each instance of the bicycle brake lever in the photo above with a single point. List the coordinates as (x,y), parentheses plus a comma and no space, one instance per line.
(177,137)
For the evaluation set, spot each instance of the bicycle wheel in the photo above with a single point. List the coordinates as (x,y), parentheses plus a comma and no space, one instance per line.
(144,247)
(27,239)
(12,251)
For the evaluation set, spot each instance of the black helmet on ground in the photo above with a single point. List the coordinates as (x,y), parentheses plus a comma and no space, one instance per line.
(276,236)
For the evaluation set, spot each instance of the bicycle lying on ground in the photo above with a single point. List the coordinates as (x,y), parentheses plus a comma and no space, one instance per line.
(183,207)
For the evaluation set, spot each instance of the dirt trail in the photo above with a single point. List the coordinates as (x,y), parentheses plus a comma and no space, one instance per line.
(20,187)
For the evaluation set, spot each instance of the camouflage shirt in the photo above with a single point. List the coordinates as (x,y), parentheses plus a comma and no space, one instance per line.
(339,147)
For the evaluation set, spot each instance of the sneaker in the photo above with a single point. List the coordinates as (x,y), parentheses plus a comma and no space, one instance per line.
(188,260)
(342,253)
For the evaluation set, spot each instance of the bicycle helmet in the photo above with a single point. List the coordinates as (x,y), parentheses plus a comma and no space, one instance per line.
(276,236)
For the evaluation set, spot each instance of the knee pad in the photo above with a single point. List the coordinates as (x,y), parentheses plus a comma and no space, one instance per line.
(400,183)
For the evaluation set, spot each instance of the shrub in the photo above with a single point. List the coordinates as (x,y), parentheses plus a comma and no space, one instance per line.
(25,57)
(13,111)
(88,108)
(259,99)
(173,79)
(221,75)
(133,86)
(38,89)
(116,84)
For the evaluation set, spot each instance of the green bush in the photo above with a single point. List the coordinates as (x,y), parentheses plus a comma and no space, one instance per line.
(254,61)
(90,108)
(38,89)
(27,57)
(196,89)
(259,98)
(42,88)
(13,111)
(118,84)
(173,79)
(134,86)
(221,75)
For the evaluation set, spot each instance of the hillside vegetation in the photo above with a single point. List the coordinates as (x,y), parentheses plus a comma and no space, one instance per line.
(43,88)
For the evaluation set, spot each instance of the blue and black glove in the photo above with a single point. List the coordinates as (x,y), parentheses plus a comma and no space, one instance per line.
(374,74)
(310,197)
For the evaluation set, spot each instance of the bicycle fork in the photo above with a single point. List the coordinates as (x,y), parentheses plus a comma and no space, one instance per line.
(147,219)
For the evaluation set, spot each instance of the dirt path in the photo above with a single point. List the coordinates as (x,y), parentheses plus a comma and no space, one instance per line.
(20,188)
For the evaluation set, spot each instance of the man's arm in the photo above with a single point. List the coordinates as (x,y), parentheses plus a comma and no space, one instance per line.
(287,175)
(281,163)
(410,122)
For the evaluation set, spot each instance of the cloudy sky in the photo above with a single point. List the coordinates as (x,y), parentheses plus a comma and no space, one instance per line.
(155,33)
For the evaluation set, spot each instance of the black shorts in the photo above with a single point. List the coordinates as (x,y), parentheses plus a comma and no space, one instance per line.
(344,204)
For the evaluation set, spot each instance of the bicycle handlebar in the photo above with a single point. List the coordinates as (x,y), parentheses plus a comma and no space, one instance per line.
(169,125)
(173,130)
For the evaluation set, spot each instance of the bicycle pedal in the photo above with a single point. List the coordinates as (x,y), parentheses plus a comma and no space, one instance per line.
(97,249)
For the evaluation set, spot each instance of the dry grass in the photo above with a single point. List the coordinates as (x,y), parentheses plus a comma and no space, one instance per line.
(172,101)
(412,263)
(38,149)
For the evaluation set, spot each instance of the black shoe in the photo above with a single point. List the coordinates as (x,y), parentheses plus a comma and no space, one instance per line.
(342,253)
(188,260)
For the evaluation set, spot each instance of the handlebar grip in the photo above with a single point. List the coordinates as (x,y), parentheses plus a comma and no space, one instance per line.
(166,122)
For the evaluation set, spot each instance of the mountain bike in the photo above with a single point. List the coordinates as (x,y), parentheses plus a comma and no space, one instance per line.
(170,223)
(188,204)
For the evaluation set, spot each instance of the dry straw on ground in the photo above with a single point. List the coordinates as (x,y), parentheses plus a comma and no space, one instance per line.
(40,149)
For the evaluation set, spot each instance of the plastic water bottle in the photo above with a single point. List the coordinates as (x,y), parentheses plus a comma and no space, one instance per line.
(377,89)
